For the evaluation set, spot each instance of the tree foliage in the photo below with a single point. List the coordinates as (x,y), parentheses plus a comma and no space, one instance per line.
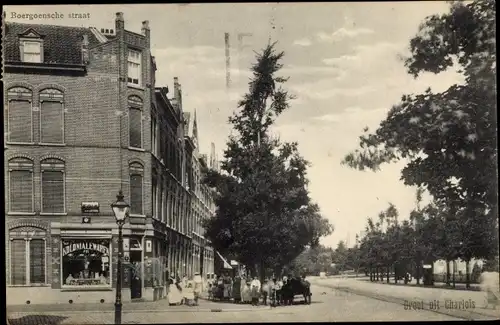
(312,260)
(431,233)
(448,138)
(264,213)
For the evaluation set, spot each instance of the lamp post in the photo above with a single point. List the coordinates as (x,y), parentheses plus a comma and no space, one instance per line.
(120,209)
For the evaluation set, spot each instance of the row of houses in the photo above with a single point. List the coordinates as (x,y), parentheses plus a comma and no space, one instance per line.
(83,119)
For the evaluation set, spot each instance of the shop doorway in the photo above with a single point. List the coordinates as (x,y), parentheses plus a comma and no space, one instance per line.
(135,276)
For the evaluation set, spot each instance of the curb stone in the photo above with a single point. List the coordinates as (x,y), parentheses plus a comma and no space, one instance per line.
(462,314)
(183,310)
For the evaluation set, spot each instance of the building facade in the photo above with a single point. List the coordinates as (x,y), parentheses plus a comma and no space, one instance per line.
(83,120)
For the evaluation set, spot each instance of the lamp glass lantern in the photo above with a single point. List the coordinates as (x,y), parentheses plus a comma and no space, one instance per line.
(120,208)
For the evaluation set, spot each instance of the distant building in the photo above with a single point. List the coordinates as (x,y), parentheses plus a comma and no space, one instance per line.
(458,266)
(202,203)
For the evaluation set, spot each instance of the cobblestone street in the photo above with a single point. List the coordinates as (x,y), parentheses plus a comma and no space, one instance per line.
(328,305)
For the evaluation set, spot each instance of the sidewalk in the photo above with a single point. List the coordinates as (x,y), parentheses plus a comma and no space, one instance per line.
(459,303)
(134,307)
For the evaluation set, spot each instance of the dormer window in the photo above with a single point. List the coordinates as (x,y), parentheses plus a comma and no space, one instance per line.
(31,46)
(32,52)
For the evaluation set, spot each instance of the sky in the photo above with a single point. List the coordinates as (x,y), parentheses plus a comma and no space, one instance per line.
(345,66)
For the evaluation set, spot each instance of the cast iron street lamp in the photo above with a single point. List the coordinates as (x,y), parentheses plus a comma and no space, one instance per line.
(120,209)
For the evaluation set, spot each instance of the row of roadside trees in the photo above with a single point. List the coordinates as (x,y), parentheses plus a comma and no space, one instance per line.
(390,247)
(448,141)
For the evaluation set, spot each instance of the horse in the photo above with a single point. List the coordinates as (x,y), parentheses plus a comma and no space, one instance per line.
(293,287)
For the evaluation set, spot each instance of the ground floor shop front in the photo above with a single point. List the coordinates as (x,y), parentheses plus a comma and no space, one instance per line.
(51,262)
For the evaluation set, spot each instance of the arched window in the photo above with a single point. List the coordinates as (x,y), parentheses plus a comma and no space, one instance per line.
(19,115)
(135,121)
(51,116)
(136,188)
(21,185)
(53,186)
(27,256)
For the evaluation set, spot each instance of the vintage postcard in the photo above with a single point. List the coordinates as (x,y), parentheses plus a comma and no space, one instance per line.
(250,162)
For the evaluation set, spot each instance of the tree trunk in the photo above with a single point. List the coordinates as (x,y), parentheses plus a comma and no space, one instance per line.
(454,271)
(388,273)
(417,272)
(447,272)
(467,274)
(262,272)
(277,272)
(377,273)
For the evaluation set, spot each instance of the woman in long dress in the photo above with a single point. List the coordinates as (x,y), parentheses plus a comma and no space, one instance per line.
(188,293)
(245,291)
(174,294)
(236,294)
(198,287)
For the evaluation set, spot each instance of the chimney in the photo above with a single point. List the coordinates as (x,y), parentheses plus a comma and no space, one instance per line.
(119,22)
(176,88)
(85,51)
(145,28)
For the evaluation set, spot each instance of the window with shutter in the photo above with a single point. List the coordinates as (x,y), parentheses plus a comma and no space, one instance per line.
(37,261)
(159,200)
(18,261)
(21,191)
(19,119)
(136,188)
(169,206)
(154,194)
(20,185)
(52,191)
(51,122)
(135,117)
(53,187)
(136,194)
(154,143)
(163,204)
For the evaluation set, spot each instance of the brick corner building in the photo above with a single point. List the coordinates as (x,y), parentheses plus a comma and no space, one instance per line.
(80,107)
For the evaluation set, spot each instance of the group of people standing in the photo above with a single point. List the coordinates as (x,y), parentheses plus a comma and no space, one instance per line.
(247,290)
(186,290)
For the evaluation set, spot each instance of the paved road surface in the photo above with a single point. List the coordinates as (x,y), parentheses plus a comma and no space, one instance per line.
(328,305)
(470,305)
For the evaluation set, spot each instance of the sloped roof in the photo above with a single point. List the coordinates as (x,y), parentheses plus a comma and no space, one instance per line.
(61,44)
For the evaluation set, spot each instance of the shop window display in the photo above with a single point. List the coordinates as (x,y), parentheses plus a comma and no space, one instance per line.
(86,262)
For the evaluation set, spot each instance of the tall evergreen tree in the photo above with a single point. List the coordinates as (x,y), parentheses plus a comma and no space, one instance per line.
(264,216)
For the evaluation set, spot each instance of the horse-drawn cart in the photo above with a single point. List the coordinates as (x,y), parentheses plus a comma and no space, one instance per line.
(293,287)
